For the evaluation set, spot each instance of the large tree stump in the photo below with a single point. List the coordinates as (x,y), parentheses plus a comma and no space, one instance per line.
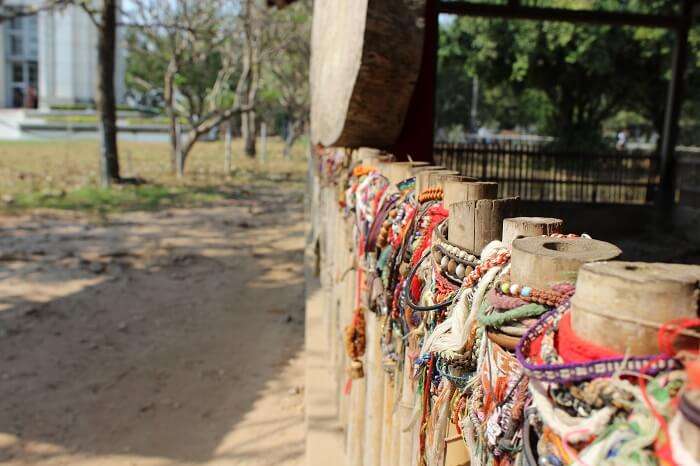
(474,224)
(540,261)
(359,51)
(523,227)
(620,305)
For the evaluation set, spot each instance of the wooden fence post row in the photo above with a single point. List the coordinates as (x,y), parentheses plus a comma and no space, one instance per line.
(379,411)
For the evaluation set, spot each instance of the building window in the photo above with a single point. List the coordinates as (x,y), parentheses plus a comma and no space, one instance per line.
(17,73)
(16,44)
(16,24)
(32,69)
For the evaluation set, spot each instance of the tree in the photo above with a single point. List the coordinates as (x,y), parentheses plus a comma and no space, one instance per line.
(286,72)
(586,74)
(106,96)
(202,63)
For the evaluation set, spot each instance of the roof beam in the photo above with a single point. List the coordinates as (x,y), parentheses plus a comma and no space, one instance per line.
(514,11)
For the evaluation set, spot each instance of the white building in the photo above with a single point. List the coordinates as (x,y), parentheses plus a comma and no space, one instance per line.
(51,59)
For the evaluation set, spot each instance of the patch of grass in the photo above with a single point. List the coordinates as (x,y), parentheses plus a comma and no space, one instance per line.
(119,198)
(63,174)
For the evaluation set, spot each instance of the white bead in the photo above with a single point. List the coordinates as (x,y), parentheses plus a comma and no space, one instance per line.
(443,263)
(460,271)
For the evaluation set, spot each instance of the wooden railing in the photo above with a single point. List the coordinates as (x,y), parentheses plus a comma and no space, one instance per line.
(534,172)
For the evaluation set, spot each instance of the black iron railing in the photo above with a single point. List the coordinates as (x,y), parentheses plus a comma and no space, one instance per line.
(534,172)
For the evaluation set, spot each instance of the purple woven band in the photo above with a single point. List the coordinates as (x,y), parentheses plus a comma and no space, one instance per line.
(579,372)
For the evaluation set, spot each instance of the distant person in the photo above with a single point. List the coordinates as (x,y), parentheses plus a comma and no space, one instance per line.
(484,135)
(30,100)
(621,140)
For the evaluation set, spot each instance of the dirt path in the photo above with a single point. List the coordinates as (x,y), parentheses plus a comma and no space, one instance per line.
(171,338)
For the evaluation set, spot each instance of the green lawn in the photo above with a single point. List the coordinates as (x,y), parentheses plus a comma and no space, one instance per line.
(64,175)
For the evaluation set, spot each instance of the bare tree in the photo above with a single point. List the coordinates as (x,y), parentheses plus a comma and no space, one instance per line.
(206,69)
(287,73)
(251,20)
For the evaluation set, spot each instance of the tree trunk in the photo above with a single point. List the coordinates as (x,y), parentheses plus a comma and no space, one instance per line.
(106,99)
(177,151)
(168,95)
(184,150)
(289,139)
(248,132)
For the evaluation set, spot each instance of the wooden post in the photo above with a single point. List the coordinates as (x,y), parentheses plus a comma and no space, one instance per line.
(523,227)
(389,442)
(408,400)
(374,376)
(620,305)
(423,176)
(457,190)
(540,262)
(374,430)
(439,177)
(474,224)
(227,149)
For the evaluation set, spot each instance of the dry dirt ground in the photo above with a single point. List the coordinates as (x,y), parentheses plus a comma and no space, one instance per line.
(168,338)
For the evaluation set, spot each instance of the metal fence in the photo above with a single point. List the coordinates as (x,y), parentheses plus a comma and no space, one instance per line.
(534,172)
(688,177)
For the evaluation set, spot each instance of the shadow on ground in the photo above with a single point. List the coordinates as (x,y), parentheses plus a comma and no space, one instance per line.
(178,343)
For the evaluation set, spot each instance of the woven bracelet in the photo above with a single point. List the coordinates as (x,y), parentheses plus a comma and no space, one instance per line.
(579,372)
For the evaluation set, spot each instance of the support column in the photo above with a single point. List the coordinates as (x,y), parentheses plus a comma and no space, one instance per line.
(667,188)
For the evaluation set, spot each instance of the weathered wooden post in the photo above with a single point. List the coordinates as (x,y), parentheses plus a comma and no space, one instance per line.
(426,177)
(523,227)
(473,224)
(458,191)
(401,408)
(541,261)
(621,305)
(377,433)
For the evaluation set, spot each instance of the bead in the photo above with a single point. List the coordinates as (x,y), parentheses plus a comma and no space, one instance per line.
(444,261)
(392,213)
(471,258)
(505,287)
(514,289)
(452,266)
(459,271)
(469,269)
(525,291)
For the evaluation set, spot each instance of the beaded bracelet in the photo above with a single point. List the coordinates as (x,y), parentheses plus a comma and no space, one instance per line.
(452,260)
(430,194)
(501,258)
(579,372)
(549,298)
